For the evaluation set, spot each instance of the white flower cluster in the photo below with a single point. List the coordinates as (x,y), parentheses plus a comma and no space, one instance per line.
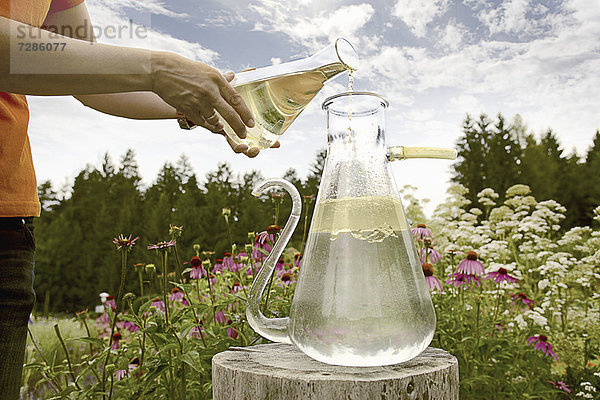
(588,390)
(536,316)
(559,271)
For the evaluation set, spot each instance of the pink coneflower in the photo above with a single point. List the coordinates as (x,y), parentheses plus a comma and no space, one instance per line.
(286,277)
(229,263)
(297,260)
(458,279)
(421,231)
(196,333)
(197,271)
(130,326)
(123,242)
(280,264)
(501,276)
(432,281)
(218,265)
(262,247)
(273,229)
(231,332)
(429,254)
(122,373)
(162,245)
(213,279)
(110,302)
(236,287)
(522,297)
(470,265)
(159,304)
(116,338)
(178,295)
(220,317)
(541,343)
(561,386)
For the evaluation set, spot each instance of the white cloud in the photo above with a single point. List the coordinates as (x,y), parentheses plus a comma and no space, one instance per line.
(522,19)
(452,37)
(151,6)
(311,26)
(107,14)
(417,14)
(466,103)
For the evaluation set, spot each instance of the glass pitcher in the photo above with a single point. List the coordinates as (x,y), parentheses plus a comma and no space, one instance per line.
(361,298)
(276,95)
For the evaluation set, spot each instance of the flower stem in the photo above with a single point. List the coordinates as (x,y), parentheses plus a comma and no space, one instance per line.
(141,282)
(114,321)
(198,323)
(266,304)
(229,234)
(164,262)
(87,330)
(179,274)
(51,379)
(62,342)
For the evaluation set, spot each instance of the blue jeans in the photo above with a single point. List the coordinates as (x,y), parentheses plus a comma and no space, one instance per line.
(17,247)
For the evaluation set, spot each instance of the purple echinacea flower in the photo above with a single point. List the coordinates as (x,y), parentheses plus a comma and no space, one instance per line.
(501,276)
(541,343)
(470,265)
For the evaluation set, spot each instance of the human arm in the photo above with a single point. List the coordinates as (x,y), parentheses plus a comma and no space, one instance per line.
(85,68)
(136,105)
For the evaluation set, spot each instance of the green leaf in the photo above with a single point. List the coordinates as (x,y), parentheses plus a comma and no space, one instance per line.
(96,341)
(192,358)
(144,307)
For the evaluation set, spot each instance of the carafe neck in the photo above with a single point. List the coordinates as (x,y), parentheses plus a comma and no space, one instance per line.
(356,125)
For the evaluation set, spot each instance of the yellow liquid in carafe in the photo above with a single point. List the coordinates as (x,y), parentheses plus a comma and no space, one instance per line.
(276,102)
(368,217)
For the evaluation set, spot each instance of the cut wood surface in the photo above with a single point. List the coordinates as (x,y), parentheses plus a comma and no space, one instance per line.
(282,372)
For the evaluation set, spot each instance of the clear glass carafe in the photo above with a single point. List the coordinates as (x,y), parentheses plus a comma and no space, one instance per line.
(277,94)
(361,298)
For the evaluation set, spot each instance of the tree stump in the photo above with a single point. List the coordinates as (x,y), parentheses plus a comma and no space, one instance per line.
(282,372)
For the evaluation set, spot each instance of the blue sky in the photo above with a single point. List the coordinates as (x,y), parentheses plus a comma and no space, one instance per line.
(435,61)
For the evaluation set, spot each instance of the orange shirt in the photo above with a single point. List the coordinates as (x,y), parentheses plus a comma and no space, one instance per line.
(18,187)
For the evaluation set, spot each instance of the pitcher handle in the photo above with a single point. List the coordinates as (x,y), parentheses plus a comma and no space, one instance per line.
(274,329)
(402,153)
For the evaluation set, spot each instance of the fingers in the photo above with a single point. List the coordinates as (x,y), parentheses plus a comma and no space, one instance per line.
(213,119)
(235,101)
(240,148)
(210,116)
(229,75)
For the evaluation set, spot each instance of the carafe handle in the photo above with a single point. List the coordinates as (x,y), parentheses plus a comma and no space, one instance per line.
(402,153)
(274,329)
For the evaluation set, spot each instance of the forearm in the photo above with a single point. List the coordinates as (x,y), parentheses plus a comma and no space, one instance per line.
(135,105)
(77,67)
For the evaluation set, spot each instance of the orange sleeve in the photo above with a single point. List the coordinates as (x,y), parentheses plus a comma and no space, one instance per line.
(60,5)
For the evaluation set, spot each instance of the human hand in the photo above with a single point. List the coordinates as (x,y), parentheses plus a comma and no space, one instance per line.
(201,92)
(236,147)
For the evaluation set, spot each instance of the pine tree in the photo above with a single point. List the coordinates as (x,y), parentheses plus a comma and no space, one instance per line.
(469,170)
(503,158)
(591,172)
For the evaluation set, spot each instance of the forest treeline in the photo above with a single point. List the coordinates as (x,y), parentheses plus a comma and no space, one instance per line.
(498,154)
(76,259)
